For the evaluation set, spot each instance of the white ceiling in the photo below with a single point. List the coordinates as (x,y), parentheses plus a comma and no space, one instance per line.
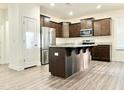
(61,10)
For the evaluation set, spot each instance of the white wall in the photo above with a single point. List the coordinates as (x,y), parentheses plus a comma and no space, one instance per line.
(117,55)
(32,11)
(6,48)
(3,19)
(16,12)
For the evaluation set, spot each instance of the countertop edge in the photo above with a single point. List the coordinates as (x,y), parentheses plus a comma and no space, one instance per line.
(73,46)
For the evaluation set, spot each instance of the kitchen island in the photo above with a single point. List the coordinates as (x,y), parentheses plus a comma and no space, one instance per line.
(65,60)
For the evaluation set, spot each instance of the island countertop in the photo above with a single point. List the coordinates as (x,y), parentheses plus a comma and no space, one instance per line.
(74,45)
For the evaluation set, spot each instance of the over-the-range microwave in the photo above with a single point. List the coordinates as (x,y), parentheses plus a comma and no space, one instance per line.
(86,32)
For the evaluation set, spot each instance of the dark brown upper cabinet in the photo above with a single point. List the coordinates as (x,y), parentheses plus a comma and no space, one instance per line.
(87,23)
(102,27)
(58,27)
(44,21)
(59,30)
(41,21)
(74,30)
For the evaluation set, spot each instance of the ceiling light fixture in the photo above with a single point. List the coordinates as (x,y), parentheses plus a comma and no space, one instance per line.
(71,13)
(98,6)
(52,4)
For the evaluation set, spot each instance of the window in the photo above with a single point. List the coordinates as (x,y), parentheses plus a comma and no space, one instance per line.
(119,24)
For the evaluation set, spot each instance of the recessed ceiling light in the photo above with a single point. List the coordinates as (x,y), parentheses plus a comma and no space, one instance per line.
(52,4)
(98,6)
(71,13)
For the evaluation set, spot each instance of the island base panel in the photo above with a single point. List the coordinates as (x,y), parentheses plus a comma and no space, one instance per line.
(64,62)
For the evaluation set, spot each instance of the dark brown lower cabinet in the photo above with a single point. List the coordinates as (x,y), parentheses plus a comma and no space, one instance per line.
(57,63)
(64,62)
(101,53)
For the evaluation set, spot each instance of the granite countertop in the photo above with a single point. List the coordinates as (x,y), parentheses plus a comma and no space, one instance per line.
(73,45)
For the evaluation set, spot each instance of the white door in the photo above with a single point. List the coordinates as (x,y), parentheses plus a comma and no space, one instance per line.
(30,42)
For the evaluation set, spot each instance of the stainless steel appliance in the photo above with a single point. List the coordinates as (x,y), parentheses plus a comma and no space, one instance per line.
(48,37)
(88,42)
(86,32)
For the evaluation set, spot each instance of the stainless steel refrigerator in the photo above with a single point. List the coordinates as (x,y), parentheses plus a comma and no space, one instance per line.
(48,37)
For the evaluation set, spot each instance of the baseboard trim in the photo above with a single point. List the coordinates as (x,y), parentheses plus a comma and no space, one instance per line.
(15,68)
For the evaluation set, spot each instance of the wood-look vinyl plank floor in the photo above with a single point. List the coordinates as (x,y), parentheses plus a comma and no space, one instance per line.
(99,76)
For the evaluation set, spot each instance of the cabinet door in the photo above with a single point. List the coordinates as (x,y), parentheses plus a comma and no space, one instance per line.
(70,30)
(77,31)
(60,30)
(101,53)
(51,25)
(41,21)
(57,29)
(105,55)
(89,24)
(46,22)
(95,53)
(102,27)
(74,30)
(105,27)
(97,28)
(83,24)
